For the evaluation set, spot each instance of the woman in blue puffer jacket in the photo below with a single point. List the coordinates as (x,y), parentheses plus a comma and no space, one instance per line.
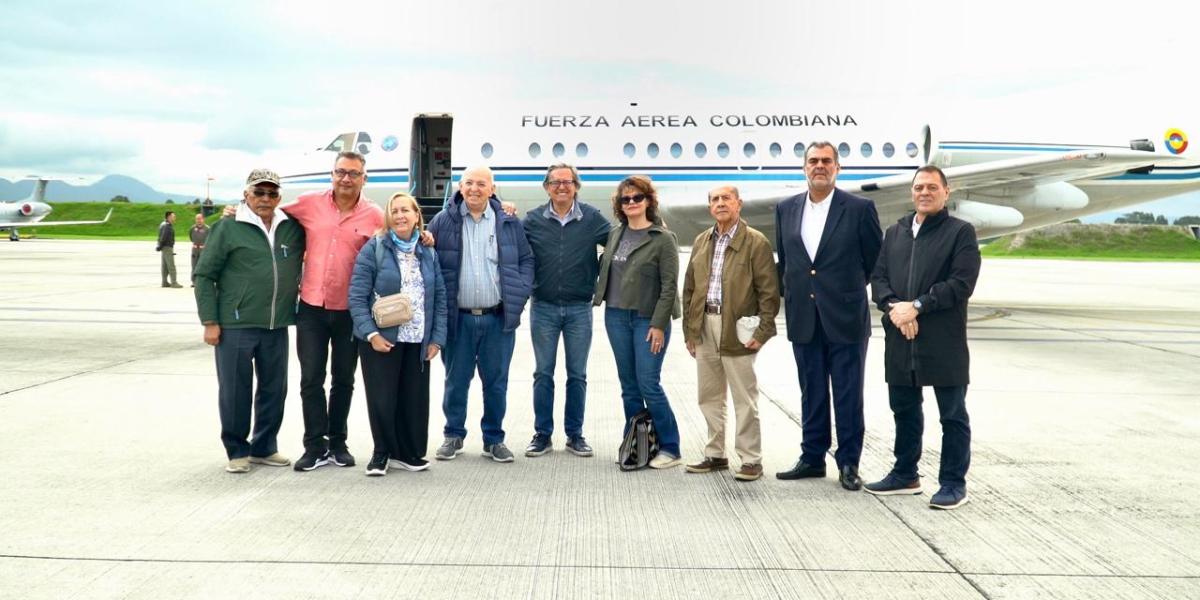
(395,360)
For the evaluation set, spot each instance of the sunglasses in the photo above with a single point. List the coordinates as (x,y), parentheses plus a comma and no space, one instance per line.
(259,193)
(634,199)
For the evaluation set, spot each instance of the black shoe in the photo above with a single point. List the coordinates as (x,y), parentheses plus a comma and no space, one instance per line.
(579,446)
(539,445)
(378,465)
(802,470)
(849,478)
(341,457)
(892,485)
(312,459)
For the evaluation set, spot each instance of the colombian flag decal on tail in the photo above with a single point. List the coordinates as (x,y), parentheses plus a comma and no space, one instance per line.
(1176,141)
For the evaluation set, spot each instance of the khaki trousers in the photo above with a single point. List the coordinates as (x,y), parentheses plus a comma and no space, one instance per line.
(715,373)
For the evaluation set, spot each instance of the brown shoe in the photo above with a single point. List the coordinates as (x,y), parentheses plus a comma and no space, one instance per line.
(709,465)
(748,472)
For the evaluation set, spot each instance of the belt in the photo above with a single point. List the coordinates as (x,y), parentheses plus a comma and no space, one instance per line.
(712,309)
(480,311)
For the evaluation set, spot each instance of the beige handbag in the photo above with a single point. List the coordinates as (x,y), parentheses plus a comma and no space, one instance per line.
(393,309)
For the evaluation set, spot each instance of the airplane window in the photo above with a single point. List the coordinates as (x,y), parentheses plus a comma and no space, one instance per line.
(723,150)
(559,150)
(676,150)
(748,150)
(889,149)
(652,150)
(364,143)
(776,150)
(843,149)
(911,150)
(581,149)
(865,150)
(701,150)
(798,149)
(630,150)
(535,150)
(486,150)
(389,143)
(336,146)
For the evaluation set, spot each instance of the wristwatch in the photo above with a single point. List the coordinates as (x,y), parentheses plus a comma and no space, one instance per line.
(917,305)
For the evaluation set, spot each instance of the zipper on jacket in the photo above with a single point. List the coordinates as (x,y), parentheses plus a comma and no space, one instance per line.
(274,280)
(912,355)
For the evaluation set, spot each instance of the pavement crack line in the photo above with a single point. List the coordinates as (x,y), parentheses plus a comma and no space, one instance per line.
(89,372)
(924,540)
(494,565)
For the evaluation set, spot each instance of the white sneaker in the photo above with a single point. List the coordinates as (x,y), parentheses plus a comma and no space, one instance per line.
(662,460)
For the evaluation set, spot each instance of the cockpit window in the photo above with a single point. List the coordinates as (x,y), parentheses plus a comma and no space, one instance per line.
(363,145)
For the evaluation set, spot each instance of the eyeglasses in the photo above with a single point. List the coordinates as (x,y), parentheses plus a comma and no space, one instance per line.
(340,173)
(259,193)
(634,199)
(561,182)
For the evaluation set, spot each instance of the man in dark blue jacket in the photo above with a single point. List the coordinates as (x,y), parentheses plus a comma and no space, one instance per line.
(563,233)
(488,267)
(827,242)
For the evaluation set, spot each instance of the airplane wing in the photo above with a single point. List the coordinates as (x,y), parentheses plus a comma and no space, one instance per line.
(1017,176)
(38,224)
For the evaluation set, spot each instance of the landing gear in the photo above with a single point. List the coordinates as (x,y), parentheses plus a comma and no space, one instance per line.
(13,236)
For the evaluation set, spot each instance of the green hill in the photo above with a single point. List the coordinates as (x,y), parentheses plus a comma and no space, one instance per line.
(1099,242)
(129,221)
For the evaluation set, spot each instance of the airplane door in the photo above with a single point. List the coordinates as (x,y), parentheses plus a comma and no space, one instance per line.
(429,174)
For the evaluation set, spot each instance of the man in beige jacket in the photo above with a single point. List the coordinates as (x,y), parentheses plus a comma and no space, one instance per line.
(730,275)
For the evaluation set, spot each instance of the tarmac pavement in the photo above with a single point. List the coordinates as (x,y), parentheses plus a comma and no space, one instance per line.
(1085,406)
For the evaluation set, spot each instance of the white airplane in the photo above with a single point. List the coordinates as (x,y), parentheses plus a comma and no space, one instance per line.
(999,186)
(31,211)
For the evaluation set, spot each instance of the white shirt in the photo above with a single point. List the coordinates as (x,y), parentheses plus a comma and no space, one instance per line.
(813,223)
(245,215)
(916,227)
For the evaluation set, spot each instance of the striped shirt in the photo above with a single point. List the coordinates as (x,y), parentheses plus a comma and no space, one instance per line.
(718,264)
(479,278)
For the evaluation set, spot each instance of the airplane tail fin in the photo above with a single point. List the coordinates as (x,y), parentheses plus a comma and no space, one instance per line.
(39,192)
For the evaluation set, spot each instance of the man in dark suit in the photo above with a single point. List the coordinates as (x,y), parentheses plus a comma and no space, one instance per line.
(827,242)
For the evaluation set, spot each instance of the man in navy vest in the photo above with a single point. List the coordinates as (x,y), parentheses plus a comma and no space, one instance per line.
(827,242)
(488,268)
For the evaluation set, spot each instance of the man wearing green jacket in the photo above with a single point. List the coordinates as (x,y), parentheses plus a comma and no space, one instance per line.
(247,281)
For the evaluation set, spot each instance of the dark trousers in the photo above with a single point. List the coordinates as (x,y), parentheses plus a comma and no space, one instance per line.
(241,355)
(317,330)
(910,426)
(195,259)
(823,364)
(397,385)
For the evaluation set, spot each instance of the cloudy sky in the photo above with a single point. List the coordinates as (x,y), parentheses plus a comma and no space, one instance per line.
(173,92)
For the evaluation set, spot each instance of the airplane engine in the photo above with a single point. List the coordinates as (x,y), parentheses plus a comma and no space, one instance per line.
(1050,196)
(26,210)
(986,216)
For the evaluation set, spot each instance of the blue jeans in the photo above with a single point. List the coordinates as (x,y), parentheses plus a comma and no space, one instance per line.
(640,371)
(480,342)
(910,425)
(547,321)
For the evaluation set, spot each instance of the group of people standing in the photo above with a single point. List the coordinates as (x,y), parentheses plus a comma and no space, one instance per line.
(465,278)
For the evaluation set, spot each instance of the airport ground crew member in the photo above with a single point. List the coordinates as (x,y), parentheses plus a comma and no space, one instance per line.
(166,249)
(198,233)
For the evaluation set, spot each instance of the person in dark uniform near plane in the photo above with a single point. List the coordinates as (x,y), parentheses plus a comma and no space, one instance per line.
(198,234)
(925,275)
(827,241)
(166,249)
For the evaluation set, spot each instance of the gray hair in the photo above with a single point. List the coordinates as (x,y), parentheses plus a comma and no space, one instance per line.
(557,166)
(823,144)
(352,156)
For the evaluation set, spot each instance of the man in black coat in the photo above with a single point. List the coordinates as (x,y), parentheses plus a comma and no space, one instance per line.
(827,241)
(925,274)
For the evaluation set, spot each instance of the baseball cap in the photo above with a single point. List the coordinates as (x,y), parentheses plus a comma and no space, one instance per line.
(258,176)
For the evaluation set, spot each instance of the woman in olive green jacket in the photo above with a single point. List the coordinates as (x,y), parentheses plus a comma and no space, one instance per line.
(638,275)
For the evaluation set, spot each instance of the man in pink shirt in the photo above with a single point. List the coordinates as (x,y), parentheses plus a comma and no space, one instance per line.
(337,223)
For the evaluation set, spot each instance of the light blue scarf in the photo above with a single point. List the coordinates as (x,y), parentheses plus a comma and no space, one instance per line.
(405,245)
